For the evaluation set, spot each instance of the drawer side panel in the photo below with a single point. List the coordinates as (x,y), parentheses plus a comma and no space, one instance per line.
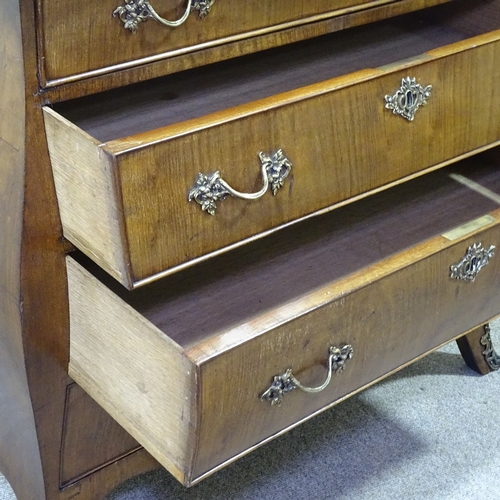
(138,375)
(87,196)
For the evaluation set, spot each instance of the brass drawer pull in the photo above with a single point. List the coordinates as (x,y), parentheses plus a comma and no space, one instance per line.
(476,257)
(212,188)
(133,12)
(287,381)
(408,98)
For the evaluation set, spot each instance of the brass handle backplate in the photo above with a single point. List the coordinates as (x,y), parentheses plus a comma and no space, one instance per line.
(212,188)
(408,98)
(287,382)
(476,257)
(134,12)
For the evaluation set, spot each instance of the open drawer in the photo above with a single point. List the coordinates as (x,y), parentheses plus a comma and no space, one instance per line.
(127,162)
(188,364)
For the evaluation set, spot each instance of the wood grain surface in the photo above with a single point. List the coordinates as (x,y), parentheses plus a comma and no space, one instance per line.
(33,299)
(136,373)
(304,257)
(337,133)
(19,456)
(178,98)
(377,279)
(69,28)
(83,451)
(40,416)
(389,322)
(93,197)
(115,76)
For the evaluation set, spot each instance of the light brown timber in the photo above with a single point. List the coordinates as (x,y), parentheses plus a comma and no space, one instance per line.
(92,197)
(40,416)
(325,136)
(260,331)
(229,30)
(33,310)
(19,455)
(159,386)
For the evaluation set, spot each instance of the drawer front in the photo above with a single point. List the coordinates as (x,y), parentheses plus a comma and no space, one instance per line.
(70,27)
(341,144)
(388,323)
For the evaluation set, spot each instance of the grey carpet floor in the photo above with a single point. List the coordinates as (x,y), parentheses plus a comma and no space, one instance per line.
(430,432)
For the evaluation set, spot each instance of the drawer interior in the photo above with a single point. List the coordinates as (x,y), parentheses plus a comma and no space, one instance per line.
(254,281)
(180,97)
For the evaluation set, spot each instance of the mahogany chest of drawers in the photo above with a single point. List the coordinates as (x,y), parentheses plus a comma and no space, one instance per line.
(221,219)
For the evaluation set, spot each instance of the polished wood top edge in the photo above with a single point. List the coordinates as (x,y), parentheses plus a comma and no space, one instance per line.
(213,43)
(146,139)
(168,272)
(204,351)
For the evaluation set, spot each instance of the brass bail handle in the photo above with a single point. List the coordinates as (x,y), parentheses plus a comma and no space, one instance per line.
(133,12)
(287,381)
(249,196)
(166,22)
(212,188)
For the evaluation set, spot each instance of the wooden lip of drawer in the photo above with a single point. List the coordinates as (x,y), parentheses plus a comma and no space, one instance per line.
(123,200)
(169,361)
(64,31)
